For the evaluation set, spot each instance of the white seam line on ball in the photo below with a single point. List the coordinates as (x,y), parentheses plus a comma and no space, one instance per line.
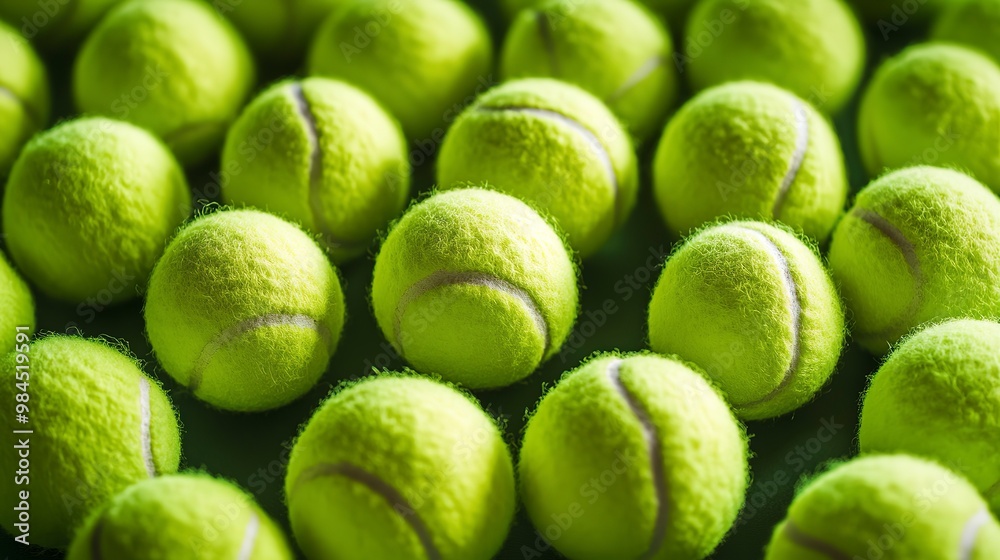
(809,542)
(794,312)
(653,447)
(391,495)
(145,423)
(548,42)
(801,116)
(249,537)
(637,77)
(247,325)
(592,140)
(444,278)
(909,254)
(971,532)
(315,167)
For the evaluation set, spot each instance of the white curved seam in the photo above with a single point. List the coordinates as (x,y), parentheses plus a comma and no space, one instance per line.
(145,421)
(637,77)
(653,447)
(247,325)
(249,537)
(316,168)
(909,253)
(970,533)
(801,117)
(591,139)
(809,542)
(386,491)
(443,278)
(794,312)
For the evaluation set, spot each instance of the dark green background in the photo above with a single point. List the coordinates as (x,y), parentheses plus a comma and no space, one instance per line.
(252,449)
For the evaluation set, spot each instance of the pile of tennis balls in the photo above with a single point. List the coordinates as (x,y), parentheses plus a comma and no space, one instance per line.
(481,158)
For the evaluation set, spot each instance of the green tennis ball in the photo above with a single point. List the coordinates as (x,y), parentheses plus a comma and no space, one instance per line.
(181,517)
(404,468)
(24,95)
(580,42)
(97,423)
(673,11)
(973,23)
(920,244)
(633,456)
(937,396)
(174,67)
(321,153)
(476,287)
(245,310)
(934,104)
(56,25)
(422,59)
(754,306)
(750,150)
(892,507)
(553,145)
(277,30)
(813,48)
(17,307)
(88,209)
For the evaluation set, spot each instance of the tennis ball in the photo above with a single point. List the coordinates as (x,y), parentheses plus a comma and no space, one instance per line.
(402,467)
(180,517)
(673,11)
(24,95)
(476,287)
(750,150)
(814,48)
(17,307)
(422,59)
(97,425)
(245,310)
(937,396)
(88,209)
(892,507)
(178,69)
(55,25)
(973,23)
(552,145)
(921,244)
(580,42)
(321,153)
(753,305)
(277,30)
(933,104)
(633,456)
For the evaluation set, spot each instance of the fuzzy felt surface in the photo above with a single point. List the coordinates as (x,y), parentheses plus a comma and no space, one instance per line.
(416,460)
(244,309)
(174,67)
(896,506)
(181,517)
(641,454)
(89,206)
(938,396)
(934,103)
(920,244)
(401,63)
(475,286)
(333,160)
(25,102)
(99,426)
(814,48)
(552,145)
(750,150)
(17,306)
(973,23)
(754,307)
(580,42)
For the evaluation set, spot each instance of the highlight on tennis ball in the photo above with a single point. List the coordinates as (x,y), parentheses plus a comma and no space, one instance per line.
(26,105)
